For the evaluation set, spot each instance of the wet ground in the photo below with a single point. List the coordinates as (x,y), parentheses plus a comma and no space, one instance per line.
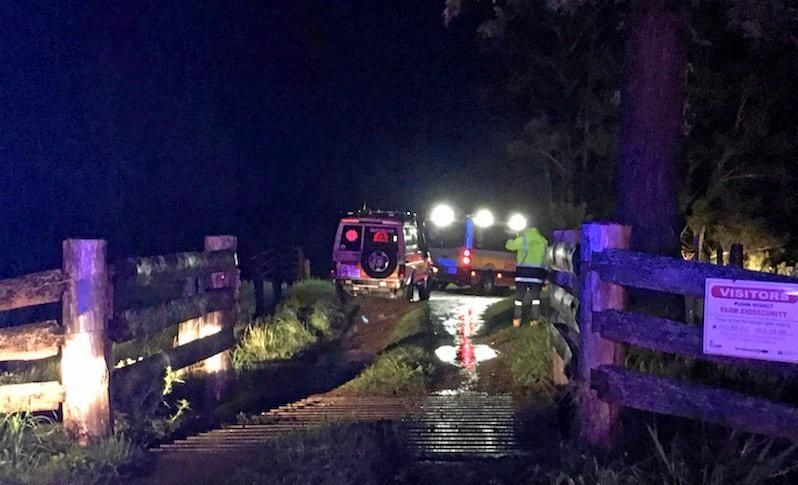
(457,319)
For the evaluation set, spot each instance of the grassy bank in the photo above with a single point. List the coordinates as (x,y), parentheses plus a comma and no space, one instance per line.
(309,314)
(404,367)
(524,366)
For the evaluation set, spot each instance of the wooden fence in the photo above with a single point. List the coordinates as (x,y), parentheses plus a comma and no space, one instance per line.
(86,287)
(275,266)
(591,270)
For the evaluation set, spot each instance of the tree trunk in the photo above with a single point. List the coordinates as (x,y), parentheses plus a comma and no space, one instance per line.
(651,130)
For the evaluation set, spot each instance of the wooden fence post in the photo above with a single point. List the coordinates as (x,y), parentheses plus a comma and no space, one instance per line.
(223,320)
(260,297)
(719,256)
(86,351)
(598,420)
(736,255)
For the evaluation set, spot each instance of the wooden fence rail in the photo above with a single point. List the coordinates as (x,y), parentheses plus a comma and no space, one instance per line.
(596,282)
(33,341)
(33,289)
(88,326)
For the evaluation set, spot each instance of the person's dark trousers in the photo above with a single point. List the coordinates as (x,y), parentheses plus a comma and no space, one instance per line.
(527,296)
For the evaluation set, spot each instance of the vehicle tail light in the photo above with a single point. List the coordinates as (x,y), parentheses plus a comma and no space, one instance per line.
(466,257)
(401,271)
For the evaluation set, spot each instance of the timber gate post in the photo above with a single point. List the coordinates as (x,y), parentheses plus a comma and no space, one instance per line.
(220,364)
(598,420)
(85,354)
(190,330)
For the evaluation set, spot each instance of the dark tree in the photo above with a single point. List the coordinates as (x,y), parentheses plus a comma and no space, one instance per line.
(647,177)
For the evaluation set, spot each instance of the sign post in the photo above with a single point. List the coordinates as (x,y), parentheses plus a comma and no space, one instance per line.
(751,319)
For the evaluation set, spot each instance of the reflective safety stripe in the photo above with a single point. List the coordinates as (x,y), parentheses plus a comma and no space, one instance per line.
(520,279)
(518,303)
(536,302)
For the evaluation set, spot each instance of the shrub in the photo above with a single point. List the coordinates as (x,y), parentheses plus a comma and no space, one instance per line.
(308,293)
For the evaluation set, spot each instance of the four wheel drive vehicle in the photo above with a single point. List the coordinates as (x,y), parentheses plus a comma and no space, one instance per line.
(470,256)
(382,252)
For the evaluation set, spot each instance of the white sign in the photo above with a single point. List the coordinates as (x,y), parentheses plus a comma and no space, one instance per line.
(751,319)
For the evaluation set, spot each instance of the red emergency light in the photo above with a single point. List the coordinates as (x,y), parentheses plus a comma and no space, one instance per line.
(466,257)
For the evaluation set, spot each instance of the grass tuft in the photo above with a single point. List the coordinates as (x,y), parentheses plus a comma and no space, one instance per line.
(34,450)
(271,338)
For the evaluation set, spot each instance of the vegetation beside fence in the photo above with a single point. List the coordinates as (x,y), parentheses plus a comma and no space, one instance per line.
(34,450)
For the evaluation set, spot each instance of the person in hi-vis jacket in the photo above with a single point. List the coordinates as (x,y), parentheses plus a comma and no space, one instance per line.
(530,272)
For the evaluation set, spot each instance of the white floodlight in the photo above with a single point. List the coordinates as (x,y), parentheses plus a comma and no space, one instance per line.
(517,223)
(483,218)
(442,215)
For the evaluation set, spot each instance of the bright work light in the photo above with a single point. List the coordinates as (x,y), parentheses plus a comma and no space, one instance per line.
(517,223)
(442,215)
(483,218)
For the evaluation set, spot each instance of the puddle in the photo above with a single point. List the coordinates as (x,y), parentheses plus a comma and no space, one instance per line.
(458,320)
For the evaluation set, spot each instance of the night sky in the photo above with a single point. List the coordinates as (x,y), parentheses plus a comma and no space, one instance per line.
(151,124)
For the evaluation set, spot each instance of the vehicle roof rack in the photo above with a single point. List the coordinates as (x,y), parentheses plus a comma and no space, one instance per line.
(389,214)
